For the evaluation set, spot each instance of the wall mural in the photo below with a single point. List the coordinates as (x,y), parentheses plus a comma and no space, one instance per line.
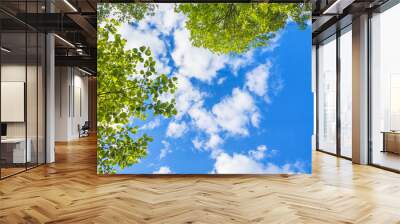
(216,88)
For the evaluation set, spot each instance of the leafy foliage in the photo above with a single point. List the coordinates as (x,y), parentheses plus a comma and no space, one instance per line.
(236,27)
(128,87)
(123,12)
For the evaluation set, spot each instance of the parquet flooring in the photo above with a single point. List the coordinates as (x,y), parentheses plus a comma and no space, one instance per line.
(70,191)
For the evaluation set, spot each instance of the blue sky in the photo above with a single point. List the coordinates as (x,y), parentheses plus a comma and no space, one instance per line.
(249,113)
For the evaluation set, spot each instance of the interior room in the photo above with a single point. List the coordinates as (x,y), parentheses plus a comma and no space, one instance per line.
(22,99)
(71,102)
(48,84)
(385,89)
(337,84)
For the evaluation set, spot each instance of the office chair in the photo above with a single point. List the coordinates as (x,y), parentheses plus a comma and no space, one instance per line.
(84,130)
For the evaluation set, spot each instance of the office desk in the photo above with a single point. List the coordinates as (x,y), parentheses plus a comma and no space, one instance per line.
(391,141)
(13,150)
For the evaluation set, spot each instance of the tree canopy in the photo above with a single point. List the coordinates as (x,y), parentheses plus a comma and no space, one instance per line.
(123,12)
(236,27)
(128,87)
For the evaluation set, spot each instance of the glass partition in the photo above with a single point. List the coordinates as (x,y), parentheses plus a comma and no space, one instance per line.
(41,91)
(327,95)
(31,97)
(346,92)
(385,89)
(13,92)
(22,88)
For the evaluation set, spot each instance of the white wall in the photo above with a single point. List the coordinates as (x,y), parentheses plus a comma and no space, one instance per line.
(33,126)
(14,72)
(62,81)
(70,83)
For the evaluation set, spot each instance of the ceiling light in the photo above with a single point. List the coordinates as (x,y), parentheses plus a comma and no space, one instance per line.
(70,5)
(5,50)
(64,40)
(86,72)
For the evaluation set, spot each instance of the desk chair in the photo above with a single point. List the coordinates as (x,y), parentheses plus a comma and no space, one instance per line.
(84,130)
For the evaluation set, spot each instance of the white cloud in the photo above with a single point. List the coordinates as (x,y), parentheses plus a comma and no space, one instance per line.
(261,148)
(165,150)
(214,142)
(233,113)
(186,96)
(176,130)
(221,80)
(198,63)
(255,119)
(197,143)
(163,170)
(237,62)
(237,164)
(191,61)
(203,119)
(273,43)
(137,37)
(164,18)
(148,33)
(151,125)
(257,79)
(259,153)
(243,164)
(277,85)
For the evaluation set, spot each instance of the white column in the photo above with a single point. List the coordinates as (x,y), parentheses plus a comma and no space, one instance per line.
(360,90)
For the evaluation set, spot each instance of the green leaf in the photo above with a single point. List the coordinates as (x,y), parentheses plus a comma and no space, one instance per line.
(121,98)
(236,27)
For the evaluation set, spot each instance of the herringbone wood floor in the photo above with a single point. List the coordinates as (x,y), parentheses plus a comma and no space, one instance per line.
(69,191)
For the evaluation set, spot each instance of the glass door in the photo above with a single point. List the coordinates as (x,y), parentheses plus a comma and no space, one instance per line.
(327,95)
(385,89)
(346,92)
(22,78)
(14,156)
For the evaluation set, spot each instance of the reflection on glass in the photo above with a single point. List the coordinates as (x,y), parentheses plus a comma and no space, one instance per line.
(386,88)
(327,95)
(346,92)
(13,86)
(31,101)
(22,90)
(41,99)
(395,102)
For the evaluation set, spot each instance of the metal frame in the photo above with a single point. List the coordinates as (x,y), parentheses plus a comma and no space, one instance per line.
(0,90)
(44,76)
(369,98)
(338,76)
(338,152)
